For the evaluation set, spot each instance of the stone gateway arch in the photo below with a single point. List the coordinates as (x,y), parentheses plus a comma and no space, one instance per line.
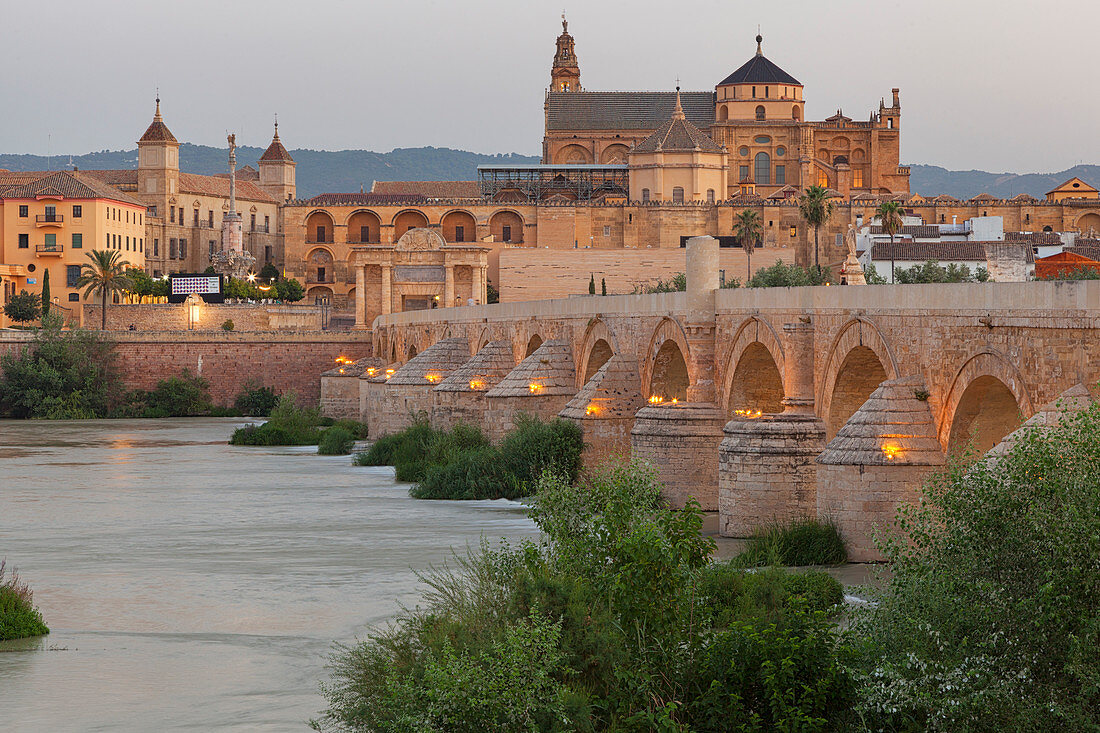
(763,404)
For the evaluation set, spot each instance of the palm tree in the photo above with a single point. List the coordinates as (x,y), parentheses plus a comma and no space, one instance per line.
(815,208)
(106,273)
(889,216)
(748,230)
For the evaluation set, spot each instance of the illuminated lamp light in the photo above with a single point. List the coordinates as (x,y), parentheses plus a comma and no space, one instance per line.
(748,414)
(341,370)
(477,384)
(890,450)
(592,409)
(656,400)
(432,378)
(534,387)
(371,371)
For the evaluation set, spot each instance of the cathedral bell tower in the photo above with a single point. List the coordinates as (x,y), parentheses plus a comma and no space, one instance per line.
(158,162)
(565,76)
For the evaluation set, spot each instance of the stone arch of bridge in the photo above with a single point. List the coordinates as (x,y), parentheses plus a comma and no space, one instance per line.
(483,338)
(668,350)
(528,339)
(859,360)
(986,401)
(754,367)
(599,345)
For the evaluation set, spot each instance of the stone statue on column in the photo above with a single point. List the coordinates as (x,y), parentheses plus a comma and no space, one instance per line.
(233,260)
(852,271)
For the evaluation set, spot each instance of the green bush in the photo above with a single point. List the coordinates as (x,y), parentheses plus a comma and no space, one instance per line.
(288,424)
(534,446)
(989,620)
(181,396)
(381,452)
(357,429)
(481,474)
(335,441)
(782,275)
(18,616)
(803,542)
(604,625)
(736,594)
(256,401)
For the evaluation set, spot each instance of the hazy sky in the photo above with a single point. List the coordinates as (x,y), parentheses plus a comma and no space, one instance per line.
(1002,85)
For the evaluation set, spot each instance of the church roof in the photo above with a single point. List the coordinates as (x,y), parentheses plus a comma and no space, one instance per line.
(624,110)
(759,70)
(429,189)
(158,132)
(67,185)
(1075,185)
(275,151)
(677,134)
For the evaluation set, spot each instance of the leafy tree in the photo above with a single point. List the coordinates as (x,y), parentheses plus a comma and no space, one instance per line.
(45,292)
(106,273)
(24,307)
(988,621)
(932,272)
(870,274)
(256,400)
(290,290)
(269,272)
(492,295)
(889,214)
(815,207)
(748,228)
(782,275)
(676,283)
(142,285)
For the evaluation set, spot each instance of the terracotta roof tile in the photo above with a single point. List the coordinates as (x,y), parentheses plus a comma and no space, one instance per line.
(428,189)
(275,151)
(215,186)
(359,199)
(74,185)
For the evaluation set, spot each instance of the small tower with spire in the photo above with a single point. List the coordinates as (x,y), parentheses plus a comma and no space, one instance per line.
(158,160)
(277,169)
(565,75)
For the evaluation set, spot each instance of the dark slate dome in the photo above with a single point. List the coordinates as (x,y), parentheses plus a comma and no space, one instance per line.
(759,70)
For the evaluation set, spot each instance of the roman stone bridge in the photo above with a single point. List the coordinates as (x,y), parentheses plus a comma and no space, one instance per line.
(763,404)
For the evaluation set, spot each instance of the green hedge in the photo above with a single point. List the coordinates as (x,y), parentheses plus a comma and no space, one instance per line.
(804,542)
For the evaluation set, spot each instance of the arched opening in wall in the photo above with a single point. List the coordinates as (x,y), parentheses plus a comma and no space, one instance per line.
(532,345)
(986,413)
(860,374)
(796,114)
(1089,224)
(760,112)
(407,220)
(670,375)
(573,155)
(756,385)
(393,352)
(601,352)
(614,154)
(411,353)
(1048,228)
(318,294)
(364,227)
(319,227)
(320,267)
(459,226)
(723,113)
(677,194)
(762,168)
(506,226)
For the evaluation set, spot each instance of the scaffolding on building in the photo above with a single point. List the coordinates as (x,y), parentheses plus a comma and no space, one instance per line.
(542,182)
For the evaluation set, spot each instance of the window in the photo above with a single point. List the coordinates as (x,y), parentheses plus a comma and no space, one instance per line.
(1027,218)
(890,123)
(128,216)
(267,253)
(857,178)
(767,92)
(754,92)
(460,233)
(743,151)
(172,214)
(253,222)
(794,232)
(211,247)
(364,233)
(506,233)
(267,223)
(78,211)
(72,274)
(141,244)
(320,274)
(172,248)
(156,248)
(941,218)
(320,234)
(127,244)
(760,112)
(742,173)
(710,195)
(51,241)
(74,297)
(761,139)
(24,241)
(762,172)
(823,179)
(183,249)
(210,218)
(108,241)
(78,240)
(181,215)
(645,195)
(677,195)
(195,222)
(780,151)
(781,174)
(152,210)
(24,212)
(606,231)
(51,212)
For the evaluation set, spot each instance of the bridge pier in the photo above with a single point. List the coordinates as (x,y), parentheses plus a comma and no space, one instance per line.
(541,385)
(394,403)
(460,398)
(682,441)
(605,409)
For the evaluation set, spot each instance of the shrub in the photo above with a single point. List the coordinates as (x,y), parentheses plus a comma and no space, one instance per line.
(24,307)
(803,542)
(477,475)
(533,447)
(781,275)
(335,441)
(357,429)
(256,401)
(736,595)
(988,621)
(181,396)
(381,452)
(227,324)
(18,616)
(288,424)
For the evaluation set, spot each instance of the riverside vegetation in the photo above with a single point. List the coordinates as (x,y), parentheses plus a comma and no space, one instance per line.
(619,621)
(18,616)
(461,463)
(289,423)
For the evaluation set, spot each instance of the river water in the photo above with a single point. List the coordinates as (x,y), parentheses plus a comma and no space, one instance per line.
(192,585)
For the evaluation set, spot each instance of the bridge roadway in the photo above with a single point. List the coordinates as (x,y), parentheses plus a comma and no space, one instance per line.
(763,404)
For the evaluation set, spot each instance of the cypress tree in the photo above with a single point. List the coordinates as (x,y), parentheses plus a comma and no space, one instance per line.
(45,292)
(592,284)
(603,286)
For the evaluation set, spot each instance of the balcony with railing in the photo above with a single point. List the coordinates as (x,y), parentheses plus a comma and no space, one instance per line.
(50,249)
(49,220)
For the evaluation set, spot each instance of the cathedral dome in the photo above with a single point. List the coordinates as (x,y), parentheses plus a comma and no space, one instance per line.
(759,70)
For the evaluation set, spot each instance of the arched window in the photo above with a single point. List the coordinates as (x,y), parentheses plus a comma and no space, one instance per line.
(795,114)
(760,112)
(762,171)
(645,195)
(723,113)
(823,179)
(678,195)
(710,195)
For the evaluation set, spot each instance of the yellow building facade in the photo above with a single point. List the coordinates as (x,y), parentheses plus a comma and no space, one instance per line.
(50,221)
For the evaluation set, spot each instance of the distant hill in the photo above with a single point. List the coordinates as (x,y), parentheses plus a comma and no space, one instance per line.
(323,171)
(932,180)
(319,171)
